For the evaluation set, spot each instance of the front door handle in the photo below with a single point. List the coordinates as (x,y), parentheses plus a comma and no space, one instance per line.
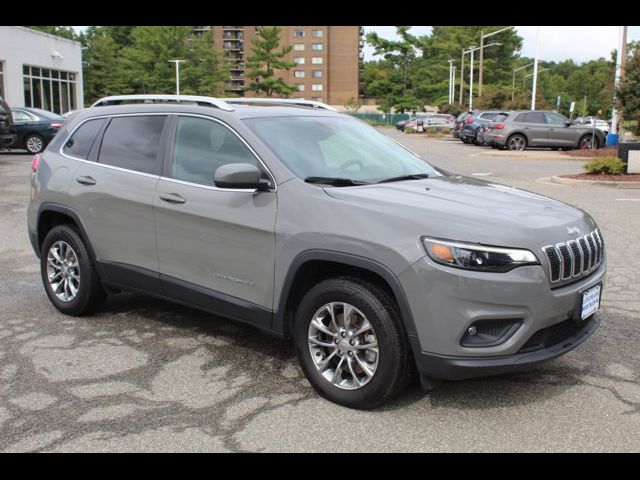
(172,198)
(87,180)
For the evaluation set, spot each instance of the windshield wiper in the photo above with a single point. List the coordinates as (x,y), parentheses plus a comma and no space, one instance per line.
(335,181)
(414,176)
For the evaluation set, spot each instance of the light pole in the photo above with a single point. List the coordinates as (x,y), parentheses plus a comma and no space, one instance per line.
(535,70)
(471,50)
(513,82)
(450,82)
(621,57)
(177,62)
(461,96)
(453,87)
(482,37)
(535,76)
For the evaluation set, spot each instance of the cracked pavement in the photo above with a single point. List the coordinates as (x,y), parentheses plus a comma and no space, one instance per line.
(147,375)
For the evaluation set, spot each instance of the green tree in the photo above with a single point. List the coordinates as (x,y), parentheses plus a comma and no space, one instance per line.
(266,60)
(144,66)
(629,90)
(101,66)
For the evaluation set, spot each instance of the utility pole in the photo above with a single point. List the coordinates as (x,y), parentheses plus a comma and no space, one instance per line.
(177,62)
(461,96)
(621,60)
(482,37)
(535,70)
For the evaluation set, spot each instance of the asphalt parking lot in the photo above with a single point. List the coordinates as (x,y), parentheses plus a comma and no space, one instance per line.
(146,375)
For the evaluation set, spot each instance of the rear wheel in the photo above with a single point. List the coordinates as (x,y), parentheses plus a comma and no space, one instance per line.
(34,143)
(517,142)
(350,343)
(68,272)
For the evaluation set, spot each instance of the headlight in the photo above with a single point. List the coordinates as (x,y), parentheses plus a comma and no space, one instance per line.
(472,256)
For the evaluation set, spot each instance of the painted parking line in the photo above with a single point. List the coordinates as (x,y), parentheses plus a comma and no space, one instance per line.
(547,181)
(482,174)
(628,199)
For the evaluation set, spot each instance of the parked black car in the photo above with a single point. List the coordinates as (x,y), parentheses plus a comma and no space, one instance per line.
(464,117)
(7,130)
(480,119)
(35,128)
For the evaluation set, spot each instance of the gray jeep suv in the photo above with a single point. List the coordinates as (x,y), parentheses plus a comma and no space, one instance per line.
(313,226)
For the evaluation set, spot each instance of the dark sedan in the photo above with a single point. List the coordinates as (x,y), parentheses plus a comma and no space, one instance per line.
(35,128)
(7,131)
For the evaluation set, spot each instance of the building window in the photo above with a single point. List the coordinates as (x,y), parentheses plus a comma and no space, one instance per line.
(298,47)
(317,33)
(298,60)
(317,46)
(298,33)
(300,86)
(317,74)
(316,60)
(316,87)
(52,90)
(298,73)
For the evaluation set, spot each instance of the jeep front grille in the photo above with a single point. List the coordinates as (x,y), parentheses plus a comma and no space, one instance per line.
(574,258)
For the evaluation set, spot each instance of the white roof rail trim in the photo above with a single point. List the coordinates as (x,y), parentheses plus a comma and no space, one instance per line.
(280,101)
(216,102)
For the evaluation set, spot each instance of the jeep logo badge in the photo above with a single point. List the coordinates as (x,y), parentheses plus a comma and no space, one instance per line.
(573,230)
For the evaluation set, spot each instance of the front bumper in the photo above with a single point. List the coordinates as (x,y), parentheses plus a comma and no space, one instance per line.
(445,367)
(446,302)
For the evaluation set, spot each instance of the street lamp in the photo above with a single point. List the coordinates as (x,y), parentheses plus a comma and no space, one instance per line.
(471,50)
(451,77)
(177,62)
(513,82)
(535,76)
(482,37)
(535,70)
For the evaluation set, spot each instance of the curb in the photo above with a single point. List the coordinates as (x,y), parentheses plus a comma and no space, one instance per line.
(598,183)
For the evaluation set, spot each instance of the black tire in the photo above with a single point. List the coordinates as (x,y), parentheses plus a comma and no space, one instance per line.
(585,142)
(90,294)
(36,139)
(516,136)
(394,369)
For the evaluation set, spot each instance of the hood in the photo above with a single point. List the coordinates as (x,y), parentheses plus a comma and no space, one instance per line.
(468,209)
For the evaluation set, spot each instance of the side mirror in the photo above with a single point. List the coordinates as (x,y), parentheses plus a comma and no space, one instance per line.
(239,175)
(568,123)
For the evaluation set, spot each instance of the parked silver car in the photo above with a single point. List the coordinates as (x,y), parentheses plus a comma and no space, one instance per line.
(313,226)
(540,128)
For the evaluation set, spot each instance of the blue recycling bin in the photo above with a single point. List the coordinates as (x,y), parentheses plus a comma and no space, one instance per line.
(612,139)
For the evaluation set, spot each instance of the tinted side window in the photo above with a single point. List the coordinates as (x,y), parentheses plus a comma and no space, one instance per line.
(201,146)
(133,143)
(555,118)
(80,143)
(535,117)
(521,118)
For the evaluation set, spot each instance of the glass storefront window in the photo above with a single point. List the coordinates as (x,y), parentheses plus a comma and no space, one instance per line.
(53,90)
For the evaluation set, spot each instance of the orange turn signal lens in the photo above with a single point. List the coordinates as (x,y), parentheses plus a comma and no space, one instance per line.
(441,252)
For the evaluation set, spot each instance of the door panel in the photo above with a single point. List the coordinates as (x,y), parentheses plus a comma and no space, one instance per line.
(218,239)
(559,134)
(536,129)
(222,240)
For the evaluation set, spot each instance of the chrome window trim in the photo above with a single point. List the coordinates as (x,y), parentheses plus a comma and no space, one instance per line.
(138,114)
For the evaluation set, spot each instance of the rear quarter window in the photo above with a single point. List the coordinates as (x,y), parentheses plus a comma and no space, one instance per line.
(133,143)
(80,143)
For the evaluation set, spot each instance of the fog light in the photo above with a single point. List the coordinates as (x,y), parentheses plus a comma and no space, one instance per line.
(472,331)
(488,333)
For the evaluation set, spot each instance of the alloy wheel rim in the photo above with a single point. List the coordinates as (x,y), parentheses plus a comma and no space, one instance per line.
(343,345)
(63,271)
(516,143)
(34,144)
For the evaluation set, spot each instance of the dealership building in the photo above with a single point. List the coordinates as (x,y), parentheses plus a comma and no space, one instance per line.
(40,70)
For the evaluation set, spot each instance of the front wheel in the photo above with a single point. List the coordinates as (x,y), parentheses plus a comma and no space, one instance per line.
(350,343)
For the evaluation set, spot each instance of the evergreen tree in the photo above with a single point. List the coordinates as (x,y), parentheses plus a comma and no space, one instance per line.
(266,60)
(629,90)
(65,32)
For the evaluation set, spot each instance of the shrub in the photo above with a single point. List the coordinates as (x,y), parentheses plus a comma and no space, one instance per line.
(610,165)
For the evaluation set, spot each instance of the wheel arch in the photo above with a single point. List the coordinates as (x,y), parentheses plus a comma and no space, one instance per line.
(50,215)
(312,266)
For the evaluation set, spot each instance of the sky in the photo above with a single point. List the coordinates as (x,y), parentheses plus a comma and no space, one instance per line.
(580,43)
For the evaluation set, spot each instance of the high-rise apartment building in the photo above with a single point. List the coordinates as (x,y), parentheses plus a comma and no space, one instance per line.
(328,59)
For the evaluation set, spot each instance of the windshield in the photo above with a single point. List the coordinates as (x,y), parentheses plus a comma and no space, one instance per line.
(337,147)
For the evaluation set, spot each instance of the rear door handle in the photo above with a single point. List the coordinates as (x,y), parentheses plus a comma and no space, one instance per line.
(88,180)
(172,198)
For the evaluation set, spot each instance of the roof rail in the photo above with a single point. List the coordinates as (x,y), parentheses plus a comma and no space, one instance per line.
(300,102)
(119,99)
